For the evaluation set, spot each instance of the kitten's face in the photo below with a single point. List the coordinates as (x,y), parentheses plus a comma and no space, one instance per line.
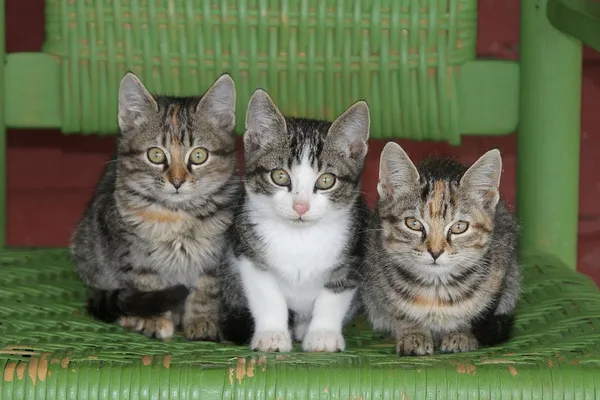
(302,170)
(439,217)
(176,150)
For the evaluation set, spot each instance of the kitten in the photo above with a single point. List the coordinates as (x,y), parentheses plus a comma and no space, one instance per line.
(151,240)
(297,238)
(441,263)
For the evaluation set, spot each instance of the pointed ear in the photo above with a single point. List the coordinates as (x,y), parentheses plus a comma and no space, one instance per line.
(217,106)
(482,179)
(264,122)
(135,102)
(350,132)
(397,173)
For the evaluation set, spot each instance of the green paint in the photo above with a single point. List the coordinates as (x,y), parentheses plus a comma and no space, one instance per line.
(578,18)
(46,335)
(549,136)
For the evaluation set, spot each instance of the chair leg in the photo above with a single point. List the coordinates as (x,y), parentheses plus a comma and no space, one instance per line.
(549,136)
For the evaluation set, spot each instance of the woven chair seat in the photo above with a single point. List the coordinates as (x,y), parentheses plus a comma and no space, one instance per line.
(50,349)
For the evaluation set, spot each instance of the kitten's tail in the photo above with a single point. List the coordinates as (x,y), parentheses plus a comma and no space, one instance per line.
(494,329)
(109,305)
(237,326)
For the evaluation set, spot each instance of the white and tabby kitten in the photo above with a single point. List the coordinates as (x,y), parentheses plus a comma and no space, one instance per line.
(441,264)
(297,238)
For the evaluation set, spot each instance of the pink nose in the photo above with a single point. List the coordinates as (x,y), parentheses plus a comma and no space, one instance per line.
(301,207)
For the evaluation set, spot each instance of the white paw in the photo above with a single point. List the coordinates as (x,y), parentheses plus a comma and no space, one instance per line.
(324,341)
(271,341)
(300,330)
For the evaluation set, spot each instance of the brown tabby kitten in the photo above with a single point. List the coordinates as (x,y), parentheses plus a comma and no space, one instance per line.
(151,240)
(441,265)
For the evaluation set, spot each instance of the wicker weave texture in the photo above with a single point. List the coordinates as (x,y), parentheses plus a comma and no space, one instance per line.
(316,57)
(50,350)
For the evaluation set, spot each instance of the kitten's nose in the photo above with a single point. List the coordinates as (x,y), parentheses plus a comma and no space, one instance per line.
(177,183)
(435,254)
(301,207)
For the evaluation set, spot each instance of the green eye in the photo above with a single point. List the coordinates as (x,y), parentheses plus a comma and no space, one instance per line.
(459,227)
(156,155)
(280,177)
(199,156)
(325,181)
(413,224)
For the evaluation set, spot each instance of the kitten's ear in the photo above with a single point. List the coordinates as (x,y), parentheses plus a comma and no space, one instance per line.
(397,173)
(264,122)
(135,102)
(483,178)
(217,106)
(351,130)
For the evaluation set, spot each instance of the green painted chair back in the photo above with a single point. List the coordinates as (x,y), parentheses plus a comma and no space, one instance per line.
(412,60)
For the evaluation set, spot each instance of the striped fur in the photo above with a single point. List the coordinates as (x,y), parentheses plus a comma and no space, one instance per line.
(288,266)
(433,286)
(151,240)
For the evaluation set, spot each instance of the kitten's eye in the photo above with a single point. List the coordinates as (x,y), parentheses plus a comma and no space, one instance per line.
(413,224)
(199,156)
(459,227)
(325,181)
(156,155)
(280,177)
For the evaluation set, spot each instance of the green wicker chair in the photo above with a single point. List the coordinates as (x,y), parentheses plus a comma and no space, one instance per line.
(414,61)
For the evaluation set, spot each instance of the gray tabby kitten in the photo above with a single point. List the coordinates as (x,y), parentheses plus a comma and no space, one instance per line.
(151,240)
(442,266)
(298,236)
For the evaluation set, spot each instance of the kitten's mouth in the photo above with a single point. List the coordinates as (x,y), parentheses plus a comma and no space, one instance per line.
(300,221)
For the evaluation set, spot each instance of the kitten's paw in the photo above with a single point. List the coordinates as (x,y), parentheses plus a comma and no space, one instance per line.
(300,330)
(415,344)
(323,341)
(457,342)
(272,341)
(201,328)
(155,327)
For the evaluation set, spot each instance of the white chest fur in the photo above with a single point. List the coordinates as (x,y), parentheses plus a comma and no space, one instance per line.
(302,257)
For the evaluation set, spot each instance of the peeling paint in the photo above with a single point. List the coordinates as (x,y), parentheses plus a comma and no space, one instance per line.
(32,370)
(64,363)
(146,360)
(250,368)
(42,369)
(468,369)
(262,362)
(167,361)
(512,370)
(55,361)
(21,371)
(231,376)
(550,363)
(9,371)
(240,369)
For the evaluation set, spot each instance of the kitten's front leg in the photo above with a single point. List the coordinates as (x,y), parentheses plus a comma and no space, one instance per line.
(459,341)
(201,310)
(412,340)
(268,307)
(324,331)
